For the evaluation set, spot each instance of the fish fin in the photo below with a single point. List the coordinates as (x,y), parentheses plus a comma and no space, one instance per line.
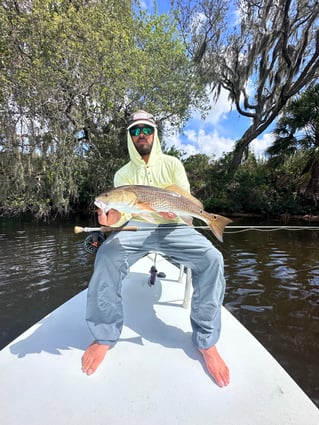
(182,192)
(217,225)
(147,216)
(188,219)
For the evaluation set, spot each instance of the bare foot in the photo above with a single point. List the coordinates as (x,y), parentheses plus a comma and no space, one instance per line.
(93,356)
(216,366)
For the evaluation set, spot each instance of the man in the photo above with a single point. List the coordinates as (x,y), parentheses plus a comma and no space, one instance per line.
(149,166)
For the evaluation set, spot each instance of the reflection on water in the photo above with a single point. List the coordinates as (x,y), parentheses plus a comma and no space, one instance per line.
(272,286)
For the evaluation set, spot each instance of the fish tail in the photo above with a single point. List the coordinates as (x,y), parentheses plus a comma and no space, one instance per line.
(217,224)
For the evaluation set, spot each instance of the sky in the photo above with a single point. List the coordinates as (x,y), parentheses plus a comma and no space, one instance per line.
(218,133)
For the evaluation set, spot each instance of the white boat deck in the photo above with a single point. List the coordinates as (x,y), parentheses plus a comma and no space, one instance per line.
(153,376)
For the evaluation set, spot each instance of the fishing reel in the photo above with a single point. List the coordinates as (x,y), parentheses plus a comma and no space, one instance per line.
(93,241)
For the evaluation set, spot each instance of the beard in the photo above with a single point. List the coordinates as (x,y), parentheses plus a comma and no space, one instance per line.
(144,148)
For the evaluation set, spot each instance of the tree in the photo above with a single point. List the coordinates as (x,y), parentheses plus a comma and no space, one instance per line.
(198,168)
(81,67)
(54,67)
(264,61)
(298,130)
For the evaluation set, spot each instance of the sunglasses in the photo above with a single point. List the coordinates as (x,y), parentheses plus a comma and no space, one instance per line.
(136,131)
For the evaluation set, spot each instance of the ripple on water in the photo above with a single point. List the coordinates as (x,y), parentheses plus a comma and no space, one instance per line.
(248,291)
(313,280)
(257,308)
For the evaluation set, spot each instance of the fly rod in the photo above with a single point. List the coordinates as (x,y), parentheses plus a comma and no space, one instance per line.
(228,229)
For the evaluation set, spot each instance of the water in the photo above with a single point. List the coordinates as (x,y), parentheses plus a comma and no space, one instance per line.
(41,266)
(272,286)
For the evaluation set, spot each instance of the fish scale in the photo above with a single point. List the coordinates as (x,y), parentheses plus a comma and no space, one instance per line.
(160,199)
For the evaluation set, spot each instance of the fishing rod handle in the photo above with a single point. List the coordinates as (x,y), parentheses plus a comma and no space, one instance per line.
(113,229)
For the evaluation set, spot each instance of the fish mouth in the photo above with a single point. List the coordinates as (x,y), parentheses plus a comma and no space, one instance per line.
(105,208)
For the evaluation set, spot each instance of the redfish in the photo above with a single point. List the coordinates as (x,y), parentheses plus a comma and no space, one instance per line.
(142,200)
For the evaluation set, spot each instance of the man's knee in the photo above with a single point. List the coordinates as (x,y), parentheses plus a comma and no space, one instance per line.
(110,248)
(213,256)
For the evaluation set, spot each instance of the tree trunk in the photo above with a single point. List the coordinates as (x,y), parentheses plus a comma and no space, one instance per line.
(242,145)
(238,154)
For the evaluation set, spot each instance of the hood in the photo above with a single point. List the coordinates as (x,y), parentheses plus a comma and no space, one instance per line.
(156,152)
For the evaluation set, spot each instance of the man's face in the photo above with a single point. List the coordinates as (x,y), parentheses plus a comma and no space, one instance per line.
(143,138)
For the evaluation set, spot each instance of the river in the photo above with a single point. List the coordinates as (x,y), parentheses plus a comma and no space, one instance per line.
(272,285)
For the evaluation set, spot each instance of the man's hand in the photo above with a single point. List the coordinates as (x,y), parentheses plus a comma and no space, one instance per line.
(108,219)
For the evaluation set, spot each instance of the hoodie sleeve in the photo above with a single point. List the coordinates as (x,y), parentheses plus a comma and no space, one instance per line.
(179,176)
(123,176)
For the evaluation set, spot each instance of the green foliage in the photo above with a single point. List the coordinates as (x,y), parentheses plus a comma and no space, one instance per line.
(81,65)
(255,188)
(197,168)
(297,135)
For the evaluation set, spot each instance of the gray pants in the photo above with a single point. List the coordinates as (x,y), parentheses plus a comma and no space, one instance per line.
(182,243)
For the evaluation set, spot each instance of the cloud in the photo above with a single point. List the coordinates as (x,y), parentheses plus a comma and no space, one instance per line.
(259,146)
(218,109)
(194,141)
(210,143)
(218,133)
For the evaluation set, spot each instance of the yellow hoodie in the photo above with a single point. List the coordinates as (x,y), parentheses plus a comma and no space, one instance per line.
(161,171)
